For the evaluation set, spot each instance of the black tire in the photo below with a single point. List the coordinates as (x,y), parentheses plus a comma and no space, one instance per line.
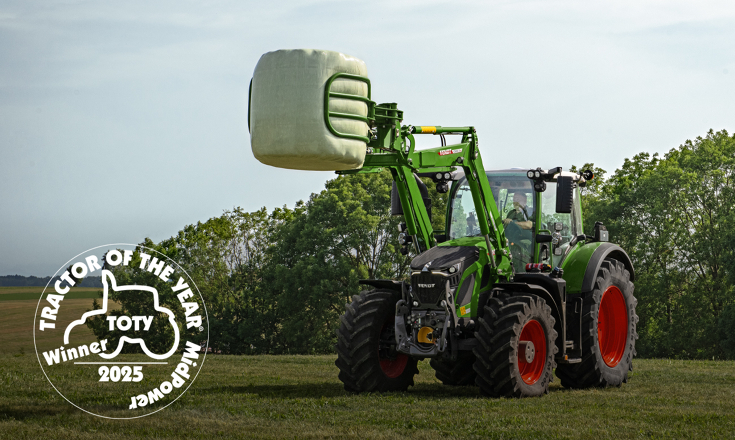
(500,371)
(611,370)
(457,373)
(364,340)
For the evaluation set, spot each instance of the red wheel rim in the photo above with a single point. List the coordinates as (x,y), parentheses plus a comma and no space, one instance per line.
(392,367)
(531,371)
(612,326)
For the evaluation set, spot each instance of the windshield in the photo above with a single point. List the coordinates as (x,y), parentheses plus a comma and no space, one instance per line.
(464,218)
(513,195)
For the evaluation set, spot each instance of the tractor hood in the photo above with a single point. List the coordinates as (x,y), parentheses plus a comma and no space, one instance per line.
(441,258)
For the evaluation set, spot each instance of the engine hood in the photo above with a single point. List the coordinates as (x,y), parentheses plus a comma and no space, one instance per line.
(443,257)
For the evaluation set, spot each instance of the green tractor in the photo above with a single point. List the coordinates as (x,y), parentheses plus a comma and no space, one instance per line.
(510,290)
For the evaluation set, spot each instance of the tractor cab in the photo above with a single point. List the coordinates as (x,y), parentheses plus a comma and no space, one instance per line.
(535,231)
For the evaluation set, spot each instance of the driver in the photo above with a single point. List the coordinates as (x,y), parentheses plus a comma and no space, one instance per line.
(519,214)
(520,236)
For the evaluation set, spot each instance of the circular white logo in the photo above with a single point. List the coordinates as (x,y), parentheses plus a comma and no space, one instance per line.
(133,351)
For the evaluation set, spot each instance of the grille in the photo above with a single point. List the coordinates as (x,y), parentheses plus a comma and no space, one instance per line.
(432,295)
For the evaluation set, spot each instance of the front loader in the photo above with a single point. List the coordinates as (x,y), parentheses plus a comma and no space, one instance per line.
(510,290)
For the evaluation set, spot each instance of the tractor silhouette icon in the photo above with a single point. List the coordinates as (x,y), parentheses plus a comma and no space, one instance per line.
(125,322)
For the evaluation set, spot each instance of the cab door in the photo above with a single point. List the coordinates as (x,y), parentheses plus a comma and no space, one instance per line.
(561,228)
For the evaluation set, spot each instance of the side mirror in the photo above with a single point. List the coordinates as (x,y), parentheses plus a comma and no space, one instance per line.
(424,194)
(564,194)
(395,201)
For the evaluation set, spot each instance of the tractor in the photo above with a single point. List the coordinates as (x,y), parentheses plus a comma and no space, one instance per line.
(509,291)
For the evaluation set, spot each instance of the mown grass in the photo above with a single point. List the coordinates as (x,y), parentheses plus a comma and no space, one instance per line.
(301,397)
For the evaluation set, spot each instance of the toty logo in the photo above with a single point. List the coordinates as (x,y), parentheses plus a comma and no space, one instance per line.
(138,349)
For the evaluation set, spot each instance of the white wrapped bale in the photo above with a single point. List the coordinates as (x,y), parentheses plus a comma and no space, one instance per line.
(287,128)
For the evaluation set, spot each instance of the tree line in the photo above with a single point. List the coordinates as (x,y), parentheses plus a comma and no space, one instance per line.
(277,282)
(32,281)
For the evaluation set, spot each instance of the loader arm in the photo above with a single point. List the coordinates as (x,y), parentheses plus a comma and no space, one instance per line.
(394,149)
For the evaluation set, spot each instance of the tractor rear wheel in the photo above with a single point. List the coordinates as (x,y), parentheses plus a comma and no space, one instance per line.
(366,345)
(455,373)
(516,346)
(608,331)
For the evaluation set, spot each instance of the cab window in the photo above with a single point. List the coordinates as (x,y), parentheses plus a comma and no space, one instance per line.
(515,200)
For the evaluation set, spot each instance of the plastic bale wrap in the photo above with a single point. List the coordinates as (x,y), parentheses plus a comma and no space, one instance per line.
(287,128)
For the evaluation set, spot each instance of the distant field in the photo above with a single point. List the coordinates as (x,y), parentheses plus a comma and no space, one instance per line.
(301,397)
(34,293)
(16,324)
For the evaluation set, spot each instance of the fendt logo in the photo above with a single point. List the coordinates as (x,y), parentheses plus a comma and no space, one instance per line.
(450,151)
(426,286)
(138,349)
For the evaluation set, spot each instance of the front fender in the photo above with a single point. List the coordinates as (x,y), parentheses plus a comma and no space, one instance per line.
(384,284)
(582,264)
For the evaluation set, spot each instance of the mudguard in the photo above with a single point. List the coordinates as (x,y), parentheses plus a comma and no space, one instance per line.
(383,284)
(582,265)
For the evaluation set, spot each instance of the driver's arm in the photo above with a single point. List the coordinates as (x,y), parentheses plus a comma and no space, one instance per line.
(528,224)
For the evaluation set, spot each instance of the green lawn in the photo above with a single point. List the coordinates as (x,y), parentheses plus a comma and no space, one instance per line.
(301,397)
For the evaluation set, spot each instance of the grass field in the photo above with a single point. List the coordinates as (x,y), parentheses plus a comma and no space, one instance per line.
(16,324)
(301,397)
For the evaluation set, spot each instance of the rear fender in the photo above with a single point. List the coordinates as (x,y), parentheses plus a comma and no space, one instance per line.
(582,265)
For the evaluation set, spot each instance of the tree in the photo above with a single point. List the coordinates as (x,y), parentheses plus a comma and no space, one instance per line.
(342,235)
(673,215)
(160,335)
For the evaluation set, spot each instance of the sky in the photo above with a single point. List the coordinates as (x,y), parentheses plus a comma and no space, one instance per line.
(126,120)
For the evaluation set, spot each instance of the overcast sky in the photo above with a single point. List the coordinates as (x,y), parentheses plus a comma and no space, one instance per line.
(126,120)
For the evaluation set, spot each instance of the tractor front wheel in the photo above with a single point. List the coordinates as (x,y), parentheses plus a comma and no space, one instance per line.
(366,345)
(516,346)
(608,331)
(457,373)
